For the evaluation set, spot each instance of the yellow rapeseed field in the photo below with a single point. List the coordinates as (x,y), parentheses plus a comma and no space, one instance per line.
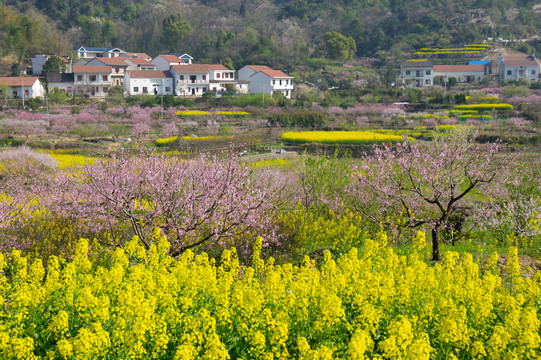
(339,137)
(367,304)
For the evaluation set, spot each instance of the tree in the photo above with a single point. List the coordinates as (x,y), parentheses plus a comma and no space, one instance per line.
(54,65)
(203,201)
(338,46)
(174,29)
(415,185)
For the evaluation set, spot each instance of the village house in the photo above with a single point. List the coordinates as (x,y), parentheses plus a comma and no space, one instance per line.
(63,81)
(92,80)
(139,64)
(154,82)
(89,52)
(22,87)
(487,64)
(263,79)
(518,67)
(196,79)
(185,57)
(118,65)
(164,62)
(136,56)
(40,59)
(462,73)
(417,73)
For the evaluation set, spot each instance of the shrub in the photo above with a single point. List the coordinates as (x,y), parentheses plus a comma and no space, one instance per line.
(310,119)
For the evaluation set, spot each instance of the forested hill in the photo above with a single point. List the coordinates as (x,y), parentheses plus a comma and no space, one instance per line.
(279,32)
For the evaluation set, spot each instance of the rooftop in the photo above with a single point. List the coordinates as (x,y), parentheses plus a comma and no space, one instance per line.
(18,80)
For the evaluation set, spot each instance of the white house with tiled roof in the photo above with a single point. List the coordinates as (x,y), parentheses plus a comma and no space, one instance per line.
(19,87)
(518,67)
(164,62)
(118,65)
(263,79)
(92,80)
(462,73)
(196,79)
(417,73)
(154,82)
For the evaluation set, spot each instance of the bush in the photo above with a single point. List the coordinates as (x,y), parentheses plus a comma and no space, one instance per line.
(311,119)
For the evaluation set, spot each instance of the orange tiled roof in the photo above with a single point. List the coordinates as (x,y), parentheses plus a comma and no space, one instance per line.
(459,68)
(172,58)
(117,61)
(17,80)
(92,69)
(191,68)
(139,56)
(150,74)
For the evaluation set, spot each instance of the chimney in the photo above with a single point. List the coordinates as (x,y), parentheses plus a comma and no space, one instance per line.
(532,56)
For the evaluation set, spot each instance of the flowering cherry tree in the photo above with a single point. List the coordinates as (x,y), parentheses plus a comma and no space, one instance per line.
(203,201)
(413,185)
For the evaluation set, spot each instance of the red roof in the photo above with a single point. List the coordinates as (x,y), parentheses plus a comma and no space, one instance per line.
(139,55)
(116,61)
(92,69)
(268,71)
(172,59)
(191,68)
(217,67)
(17,80)
(519,62)
(140,61)
(149,74)
(258,67)
(459,68)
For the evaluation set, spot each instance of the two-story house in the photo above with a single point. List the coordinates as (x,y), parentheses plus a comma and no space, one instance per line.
(154,82)
(462,73)
(518,67)
(164,62)
(90,52)
(263,79)
(184,57)
(417,73)
(22,87)
(118,65)
(92,80)
(196,79)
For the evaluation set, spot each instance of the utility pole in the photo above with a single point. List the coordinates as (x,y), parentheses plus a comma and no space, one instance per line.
(22,90)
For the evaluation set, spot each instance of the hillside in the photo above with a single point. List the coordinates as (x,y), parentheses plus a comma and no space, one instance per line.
(283,33)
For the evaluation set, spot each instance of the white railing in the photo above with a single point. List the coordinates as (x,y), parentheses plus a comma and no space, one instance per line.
(194,82)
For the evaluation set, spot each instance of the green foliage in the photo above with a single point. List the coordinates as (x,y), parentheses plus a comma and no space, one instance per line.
(174,30)
(56,95)
(307,119)
(54,65)
(338,46)
(510,91)
(115,95)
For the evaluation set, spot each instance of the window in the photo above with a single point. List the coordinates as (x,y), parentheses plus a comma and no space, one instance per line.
(117,70)
(204,89)
(181,77)
(417,73)
(231,75)
(509,72)
(145,90)
(26,93)
(287,82)
(136,89)
(204,77)
(167,89)
(273,82)
(280,82)
(92,77)
(427,72)
(79,77)
(521,72)
(533,72)
(105,89)
(104,77)
(226,75)
(408,72)
(427,81)
(287,92)
(217,75)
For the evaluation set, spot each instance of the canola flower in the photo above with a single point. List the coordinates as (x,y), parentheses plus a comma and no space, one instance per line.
(481,107)
(339,137)
(67,159)
(201,113)
(368,303)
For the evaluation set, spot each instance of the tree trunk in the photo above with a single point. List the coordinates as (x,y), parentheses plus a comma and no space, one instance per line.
(435,245)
